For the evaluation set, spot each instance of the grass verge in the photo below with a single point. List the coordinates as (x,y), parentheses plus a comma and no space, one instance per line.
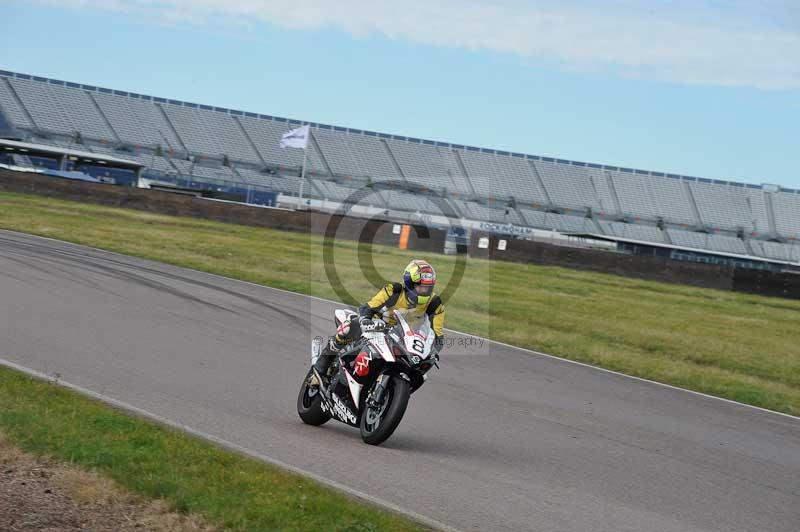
(44,494)
(739,346)
(193,476)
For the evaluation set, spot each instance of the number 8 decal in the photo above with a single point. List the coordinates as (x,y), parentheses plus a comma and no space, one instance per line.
(418,346)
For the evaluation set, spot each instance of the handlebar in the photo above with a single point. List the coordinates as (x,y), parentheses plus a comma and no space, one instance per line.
(373,326)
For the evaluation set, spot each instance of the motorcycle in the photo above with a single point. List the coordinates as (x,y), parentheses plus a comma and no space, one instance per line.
(373,379)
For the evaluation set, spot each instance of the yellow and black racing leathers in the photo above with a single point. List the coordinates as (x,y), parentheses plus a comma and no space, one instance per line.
(390,297)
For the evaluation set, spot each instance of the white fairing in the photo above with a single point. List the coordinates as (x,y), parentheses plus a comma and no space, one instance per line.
(355,388)
(378,341)
(342,315)
(419,342)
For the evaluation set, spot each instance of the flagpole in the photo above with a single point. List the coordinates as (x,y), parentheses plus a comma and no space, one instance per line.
(303,174)
(298,138)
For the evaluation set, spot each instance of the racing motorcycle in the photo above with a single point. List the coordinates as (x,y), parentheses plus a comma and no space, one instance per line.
(374,377)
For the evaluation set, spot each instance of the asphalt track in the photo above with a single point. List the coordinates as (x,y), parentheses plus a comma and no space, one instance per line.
(502,439)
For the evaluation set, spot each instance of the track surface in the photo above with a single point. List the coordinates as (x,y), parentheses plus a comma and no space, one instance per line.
(503,440)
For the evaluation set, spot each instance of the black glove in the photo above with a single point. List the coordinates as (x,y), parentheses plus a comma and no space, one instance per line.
(367,325)
(436,348)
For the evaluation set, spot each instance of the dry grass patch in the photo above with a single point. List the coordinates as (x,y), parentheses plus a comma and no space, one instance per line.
(42,494)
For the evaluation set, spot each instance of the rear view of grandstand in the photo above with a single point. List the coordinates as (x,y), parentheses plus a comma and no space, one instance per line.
(237,154)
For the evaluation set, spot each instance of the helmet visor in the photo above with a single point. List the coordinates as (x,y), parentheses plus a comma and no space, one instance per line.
(423,289)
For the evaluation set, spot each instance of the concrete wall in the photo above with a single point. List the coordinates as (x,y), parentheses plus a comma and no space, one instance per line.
(766,283)
(156,201)
(651,268)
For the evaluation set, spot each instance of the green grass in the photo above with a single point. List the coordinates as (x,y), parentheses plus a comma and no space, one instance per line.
(733,345)
(196,477)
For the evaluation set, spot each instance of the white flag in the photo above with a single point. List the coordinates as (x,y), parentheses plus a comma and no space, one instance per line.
(296,138)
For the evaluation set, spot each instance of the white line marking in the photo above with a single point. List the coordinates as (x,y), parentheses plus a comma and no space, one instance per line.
(523,349)
(421,519)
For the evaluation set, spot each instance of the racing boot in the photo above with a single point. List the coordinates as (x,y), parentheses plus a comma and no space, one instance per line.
(328,356)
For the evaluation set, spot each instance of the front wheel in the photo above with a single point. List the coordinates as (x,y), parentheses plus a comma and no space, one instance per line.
(378,423)
(309,404)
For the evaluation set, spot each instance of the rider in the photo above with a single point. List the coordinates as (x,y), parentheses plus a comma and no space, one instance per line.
(415,294)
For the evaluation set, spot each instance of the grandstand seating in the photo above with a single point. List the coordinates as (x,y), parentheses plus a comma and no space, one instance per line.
(483,185)
(332,191)
(397,199)
(730,207)
(534,218)
(266,136)
(211,133)
(372,158)
(356,155)
(558,222)
(787,214)
(75,110)
(14,111)
(138,122)
(158,163)
(653,197)
(222,173)
(646,233)
(777,250)
(291,185)
(476,211)
(607,200)
(711,242)
(503,177)
(567,223)
(428,166)
(568,186)
(254,177)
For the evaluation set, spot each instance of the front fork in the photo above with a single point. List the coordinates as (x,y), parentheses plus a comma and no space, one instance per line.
(375,399)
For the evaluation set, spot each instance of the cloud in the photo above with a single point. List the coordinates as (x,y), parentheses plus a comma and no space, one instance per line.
(708,42)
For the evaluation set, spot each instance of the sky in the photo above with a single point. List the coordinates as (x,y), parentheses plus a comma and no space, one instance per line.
(706,88)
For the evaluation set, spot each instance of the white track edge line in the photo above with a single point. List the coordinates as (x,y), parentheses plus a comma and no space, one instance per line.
(230,446)
(523,349)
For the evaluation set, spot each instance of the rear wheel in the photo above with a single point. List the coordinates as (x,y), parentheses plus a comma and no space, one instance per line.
(309,403)
(378,423)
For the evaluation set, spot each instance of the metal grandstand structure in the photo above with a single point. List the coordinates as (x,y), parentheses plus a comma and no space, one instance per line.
(193,143)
